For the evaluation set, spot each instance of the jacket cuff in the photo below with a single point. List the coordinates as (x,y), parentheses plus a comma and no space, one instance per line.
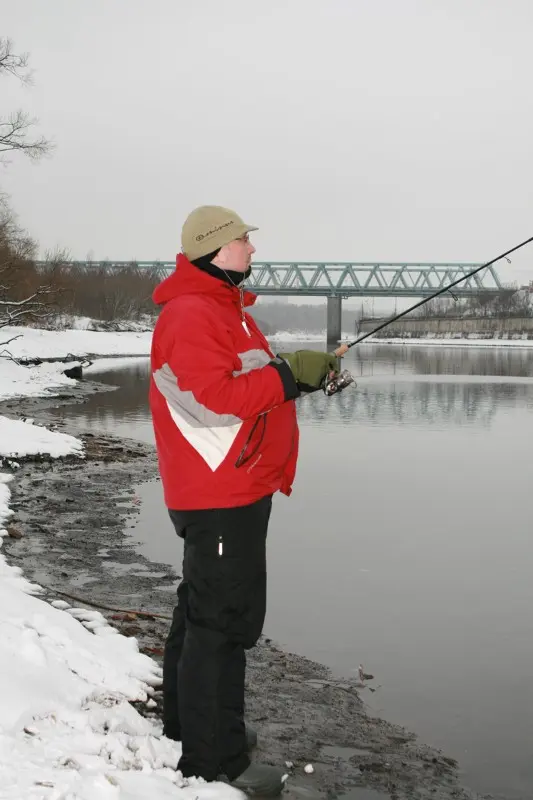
(290,387)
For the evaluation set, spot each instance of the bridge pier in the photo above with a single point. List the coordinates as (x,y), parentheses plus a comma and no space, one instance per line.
(334,318)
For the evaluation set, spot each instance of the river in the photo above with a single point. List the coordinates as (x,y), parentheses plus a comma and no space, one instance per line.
(406,545)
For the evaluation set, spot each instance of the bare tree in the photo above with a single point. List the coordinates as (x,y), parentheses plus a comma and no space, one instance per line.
(22,293)
(35,305)
(15,129)
(23,297)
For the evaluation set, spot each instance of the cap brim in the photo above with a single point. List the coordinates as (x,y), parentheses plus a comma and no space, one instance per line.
(241,231)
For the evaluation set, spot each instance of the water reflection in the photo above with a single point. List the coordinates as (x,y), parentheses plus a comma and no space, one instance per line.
(390,390)
(419,404)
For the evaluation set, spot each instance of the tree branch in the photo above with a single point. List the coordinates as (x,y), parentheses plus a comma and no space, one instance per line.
(30,299)
(13,64)
(13,339)
(14,130)
(12,311)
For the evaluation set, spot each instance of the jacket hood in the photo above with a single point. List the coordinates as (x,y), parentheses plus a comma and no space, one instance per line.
(189,279)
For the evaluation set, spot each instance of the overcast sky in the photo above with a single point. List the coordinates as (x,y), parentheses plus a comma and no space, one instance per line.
(345,129)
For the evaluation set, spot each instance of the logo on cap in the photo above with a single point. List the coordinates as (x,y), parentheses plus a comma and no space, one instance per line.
(201,236)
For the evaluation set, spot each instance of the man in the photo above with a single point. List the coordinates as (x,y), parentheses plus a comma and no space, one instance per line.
(227,439)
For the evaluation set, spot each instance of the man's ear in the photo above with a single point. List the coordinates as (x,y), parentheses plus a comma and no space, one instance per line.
(221,258)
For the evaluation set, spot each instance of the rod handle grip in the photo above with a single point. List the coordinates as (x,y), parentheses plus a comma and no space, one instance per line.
(340,351)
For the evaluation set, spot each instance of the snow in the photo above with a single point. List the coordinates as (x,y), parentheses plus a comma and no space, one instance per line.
(72,321)
(37,343)
(302,336)
(19,438)
(75,322)
(68,730)
(20,381)
(107,364)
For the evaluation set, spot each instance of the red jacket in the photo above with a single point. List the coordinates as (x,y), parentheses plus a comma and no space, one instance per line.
(215,389)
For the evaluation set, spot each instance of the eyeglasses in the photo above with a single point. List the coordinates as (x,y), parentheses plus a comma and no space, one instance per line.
(245,239)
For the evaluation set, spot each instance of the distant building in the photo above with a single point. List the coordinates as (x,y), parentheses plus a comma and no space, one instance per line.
(525,293)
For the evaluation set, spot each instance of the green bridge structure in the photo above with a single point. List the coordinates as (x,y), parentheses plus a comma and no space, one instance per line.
(336,280)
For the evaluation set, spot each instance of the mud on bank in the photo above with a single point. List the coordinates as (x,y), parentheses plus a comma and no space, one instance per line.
(68,535)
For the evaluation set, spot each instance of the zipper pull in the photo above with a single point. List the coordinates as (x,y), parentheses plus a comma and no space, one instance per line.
(243,318)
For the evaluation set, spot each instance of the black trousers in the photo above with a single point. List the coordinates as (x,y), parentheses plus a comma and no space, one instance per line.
(220,614)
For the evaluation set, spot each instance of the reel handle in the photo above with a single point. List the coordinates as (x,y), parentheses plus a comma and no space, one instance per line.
(336,382)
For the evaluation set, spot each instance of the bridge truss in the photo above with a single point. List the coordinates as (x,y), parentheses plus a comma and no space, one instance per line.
(340,279)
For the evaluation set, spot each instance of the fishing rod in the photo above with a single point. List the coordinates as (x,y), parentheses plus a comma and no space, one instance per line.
(338,382)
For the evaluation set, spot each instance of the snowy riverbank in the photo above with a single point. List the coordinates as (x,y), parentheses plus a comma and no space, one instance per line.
(320,337)
(37,343)
(68,729)
(451,342)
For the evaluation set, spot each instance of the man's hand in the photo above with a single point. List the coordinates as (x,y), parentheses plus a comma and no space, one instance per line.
(310,367)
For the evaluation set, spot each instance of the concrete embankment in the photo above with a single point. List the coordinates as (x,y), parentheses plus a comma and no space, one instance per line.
(453,328)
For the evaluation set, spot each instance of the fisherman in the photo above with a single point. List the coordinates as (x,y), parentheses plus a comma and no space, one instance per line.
(227,439)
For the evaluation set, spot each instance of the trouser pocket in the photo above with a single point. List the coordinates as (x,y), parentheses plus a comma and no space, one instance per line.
(224,566)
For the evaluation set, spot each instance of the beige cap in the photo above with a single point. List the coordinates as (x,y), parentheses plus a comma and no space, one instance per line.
(208,228)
